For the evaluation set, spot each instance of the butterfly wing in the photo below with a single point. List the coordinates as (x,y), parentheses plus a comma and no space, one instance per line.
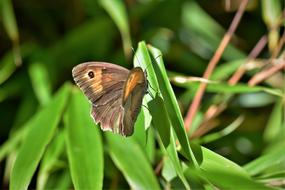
(103,84)
(134,90)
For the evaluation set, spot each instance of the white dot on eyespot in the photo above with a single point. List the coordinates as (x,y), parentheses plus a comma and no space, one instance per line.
(244,145)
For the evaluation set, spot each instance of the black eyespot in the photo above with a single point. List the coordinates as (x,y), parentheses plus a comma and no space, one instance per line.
(91,74)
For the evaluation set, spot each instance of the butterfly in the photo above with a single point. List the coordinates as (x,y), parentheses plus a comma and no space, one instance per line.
(115,93)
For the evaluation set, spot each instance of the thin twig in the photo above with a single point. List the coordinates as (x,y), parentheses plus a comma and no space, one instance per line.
(212,64)
(261,76)
(252,55)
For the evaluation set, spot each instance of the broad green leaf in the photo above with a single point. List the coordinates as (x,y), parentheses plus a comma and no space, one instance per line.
(160,119)
(41,129)
(144,137)
(118,13)
(158,110)
(225,174)
(155,104)
(171,103)
(84,146)
(128,156)
(50,159)
(172,152)
(168,170)
(271,158)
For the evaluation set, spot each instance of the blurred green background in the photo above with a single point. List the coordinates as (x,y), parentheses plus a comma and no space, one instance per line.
(41,41)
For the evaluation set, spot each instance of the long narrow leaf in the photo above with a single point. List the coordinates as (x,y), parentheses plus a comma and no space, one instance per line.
(84,146)
(41,129)
(130,159)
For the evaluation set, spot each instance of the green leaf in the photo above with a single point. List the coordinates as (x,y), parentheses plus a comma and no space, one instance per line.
(273,128)
(226,131)
(40,81)
(7,66)
(218,87)
(11,28)
(133,163)
(41,129)
(156,105)
(9,20)
(118,13)
(50,160)
(11,143)
(158,108)
(265,161)
(226,174)
(172,152)
(171,103)
(160,119)
(84,146)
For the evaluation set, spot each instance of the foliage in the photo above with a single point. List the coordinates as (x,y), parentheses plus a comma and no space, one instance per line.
(236,140)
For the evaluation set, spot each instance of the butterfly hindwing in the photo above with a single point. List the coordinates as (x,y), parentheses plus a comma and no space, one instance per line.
(134,91)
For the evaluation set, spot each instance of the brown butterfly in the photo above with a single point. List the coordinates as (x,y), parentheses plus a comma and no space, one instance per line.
(115,93)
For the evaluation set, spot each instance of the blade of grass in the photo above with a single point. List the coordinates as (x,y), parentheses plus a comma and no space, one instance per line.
(40,82)
(171,103)
(41,129)
(274,125)
(218,87)
(225,174)
(50,160)
(217,135)
(265,161)
(118,13)
(128,156)
(158,110)
(7,67)
(84,146)
(11,28)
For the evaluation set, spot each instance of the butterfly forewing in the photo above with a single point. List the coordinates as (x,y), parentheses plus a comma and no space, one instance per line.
(115,93)
(103,85)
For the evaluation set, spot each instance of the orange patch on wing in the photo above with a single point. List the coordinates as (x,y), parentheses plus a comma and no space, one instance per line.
(97,80)
(135,78)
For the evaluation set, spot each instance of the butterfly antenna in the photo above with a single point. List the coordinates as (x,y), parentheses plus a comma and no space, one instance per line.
(139,60)
(160,55)
(136,57)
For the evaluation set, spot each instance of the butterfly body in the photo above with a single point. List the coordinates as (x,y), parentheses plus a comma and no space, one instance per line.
(115,93)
